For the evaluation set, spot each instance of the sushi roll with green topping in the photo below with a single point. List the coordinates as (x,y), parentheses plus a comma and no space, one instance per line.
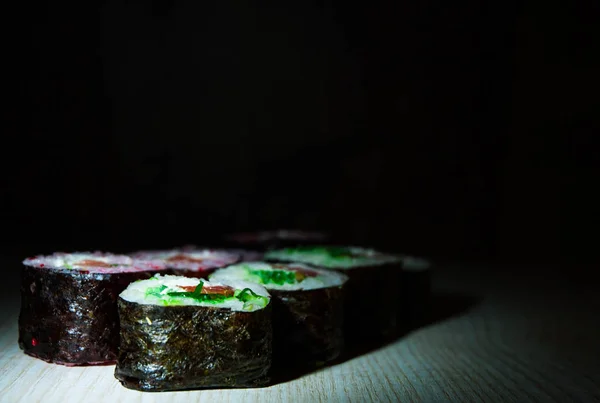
(372,291)
(307,309)
(69,305)
(191,262)
(180,333)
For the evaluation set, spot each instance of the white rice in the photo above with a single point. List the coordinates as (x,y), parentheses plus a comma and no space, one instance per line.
(136,292)
(243,271)
(72,261)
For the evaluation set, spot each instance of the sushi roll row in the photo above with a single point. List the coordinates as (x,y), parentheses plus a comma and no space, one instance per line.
(192,318)
(389,294)
(246,322)
(68,310)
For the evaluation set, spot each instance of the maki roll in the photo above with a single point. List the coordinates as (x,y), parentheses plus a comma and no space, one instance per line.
(307,309)
(372,290)
(245,255)
(191,262)
(181,333)
(69,305)
(415,297)
(267,240)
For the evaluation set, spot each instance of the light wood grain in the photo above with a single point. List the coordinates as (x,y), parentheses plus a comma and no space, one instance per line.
(518,344)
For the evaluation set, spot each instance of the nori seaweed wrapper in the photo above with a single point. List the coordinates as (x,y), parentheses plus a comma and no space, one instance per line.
(307,326)
(166,348)
(70,317)
(371,297)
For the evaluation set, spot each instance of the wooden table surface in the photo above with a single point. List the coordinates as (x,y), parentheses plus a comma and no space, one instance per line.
(500,335)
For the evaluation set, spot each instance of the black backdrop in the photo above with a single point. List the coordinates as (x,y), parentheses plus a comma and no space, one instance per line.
(461,131)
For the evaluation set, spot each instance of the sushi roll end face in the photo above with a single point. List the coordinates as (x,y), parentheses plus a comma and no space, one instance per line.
(181,333)
(281,276)
(68,310)
(372,291)
(190,261)
(333,257)
(307,309)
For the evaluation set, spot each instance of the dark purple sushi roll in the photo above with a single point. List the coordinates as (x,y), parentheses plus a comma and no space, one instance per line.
(191,262)
(372,290)
(245,255)
(69,305)
(283,238)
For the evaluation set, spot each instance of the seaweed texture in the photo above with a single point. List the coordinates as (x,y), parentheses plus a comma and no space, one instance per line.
(70,317)
(371,300)
(167,348)
(307,326)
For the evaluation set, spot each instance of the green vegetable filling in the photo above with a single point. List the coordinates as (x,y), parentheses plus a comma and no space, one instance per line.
(197,295)
(251,299)
(247,296)
(156,291)
(279,277)
(328,252)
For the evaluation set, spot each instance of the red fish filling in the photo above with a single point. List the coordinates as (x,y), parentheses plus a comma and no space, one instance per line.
(211,289)
(185,259)
(93,263)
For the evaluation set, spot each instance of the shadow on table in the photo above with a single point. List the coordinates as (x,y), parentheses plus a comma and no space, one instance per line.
(447,305)
(443,306)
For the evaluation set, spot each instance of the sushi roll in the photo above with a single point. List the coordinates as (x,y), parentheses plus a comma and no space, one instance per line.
(415,297)
(245,255)
(267,240)
(307,309)
(372,290)
(180,333)
(69,305)
(191,262)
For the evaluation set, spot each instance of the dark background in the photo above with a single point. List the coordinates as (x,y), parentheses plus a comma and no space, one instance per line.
(460,131)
